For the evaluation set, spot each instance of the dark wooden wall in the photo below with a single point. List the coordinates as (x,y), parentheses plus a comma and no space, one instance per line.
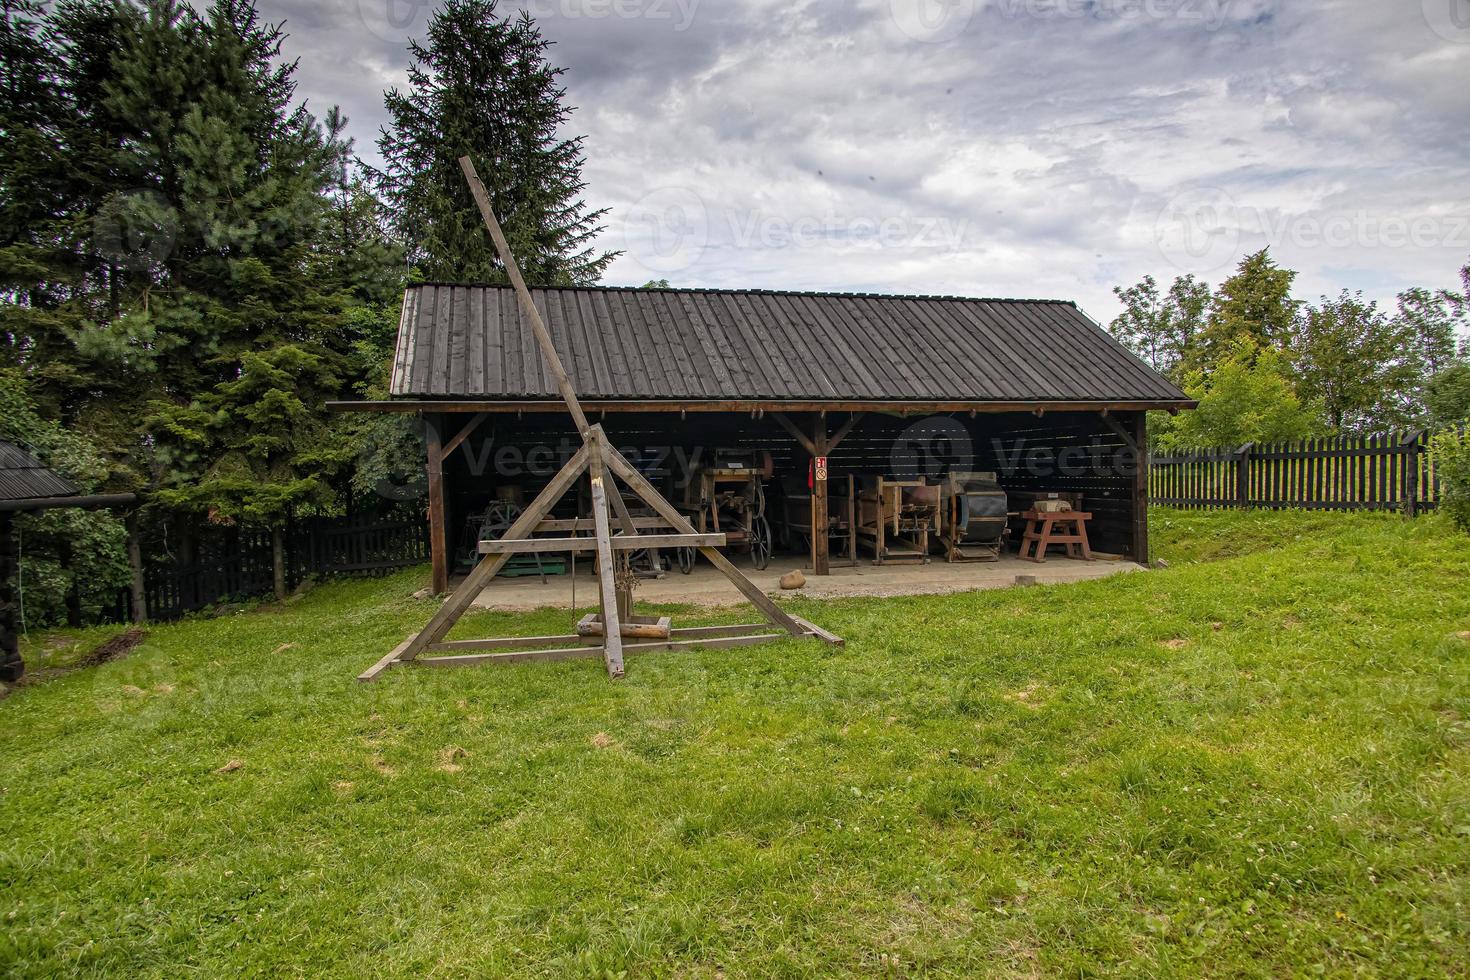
(1023,448)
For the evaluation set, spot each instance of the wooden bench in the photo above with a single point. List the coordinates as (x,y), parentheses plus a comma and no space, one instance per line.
(1042,532)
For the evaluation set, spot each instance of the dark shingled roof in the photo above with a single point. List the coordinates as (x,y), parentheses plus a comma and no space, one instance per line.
(471,342)
(22,477)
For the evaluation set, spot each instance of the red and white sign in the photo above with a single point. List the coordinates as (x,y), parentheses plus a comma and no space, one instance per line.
(820,466)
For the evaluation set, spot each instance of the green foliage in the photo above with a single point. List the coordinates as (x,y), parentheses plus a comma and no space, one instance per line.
(93,543)
(1244,767)
(1247,397)
(1447,396)
(1450,451)
(482,85)
(199,282)
(1358,363)
(1162,329)
(1256,304)
(255,447)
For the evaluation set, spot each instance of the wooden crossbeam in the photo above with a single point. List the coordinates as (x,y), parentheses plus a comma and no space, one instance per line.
(590,653)
(587,524)
(620,542)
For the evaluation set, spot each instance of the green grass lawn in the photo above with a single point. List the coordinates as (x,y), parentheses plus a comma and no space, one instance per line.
(1253,765)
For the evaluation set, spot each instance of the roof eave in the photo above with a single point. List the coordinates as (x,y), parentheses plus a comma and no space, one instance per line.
(407,405)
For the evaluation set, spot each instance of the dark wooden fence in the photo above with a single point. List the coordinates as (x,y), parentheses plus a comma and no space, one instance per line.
(1383,472)
(233,564)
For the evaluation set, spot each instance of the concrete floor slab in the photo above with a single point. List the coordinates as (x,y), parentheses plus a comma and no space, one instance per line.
(708,588)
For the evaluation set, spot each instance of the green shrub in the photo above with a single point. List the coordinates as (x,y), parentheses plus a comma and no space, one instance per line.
(1451,454)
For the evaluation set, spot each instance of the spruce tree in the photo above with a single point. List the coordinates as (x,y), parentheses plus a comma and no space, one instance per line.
(482,85)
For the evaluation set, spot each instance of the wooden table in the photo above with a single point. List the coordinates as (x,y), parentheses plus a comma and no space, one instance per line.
(1042,532)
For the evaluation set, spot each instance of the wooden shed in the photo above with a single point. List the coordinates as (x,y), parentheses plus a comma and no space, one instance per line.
(28,487)
(905,387)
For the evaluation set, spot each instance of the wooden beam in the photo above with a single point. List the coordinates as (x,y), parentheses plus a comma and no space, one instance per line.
(464,596)
(746,406)
(620,542)
(748,589)
(1140,488)
(612,641)
(796,433)
(438,537)
(844,432)
(528,307)
(823,635)
(586,524)
(371,674)
(821,517)
(592,652)
(464,433)
(1121,430)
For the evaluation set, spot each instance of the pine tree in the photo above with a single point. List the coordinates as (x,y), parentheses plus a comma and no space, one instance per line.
(482,85)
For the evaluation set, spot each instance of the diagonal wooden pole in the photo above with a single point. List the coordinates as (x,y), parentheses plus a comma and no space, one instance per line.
(456,605)
(528,307)
(626,472)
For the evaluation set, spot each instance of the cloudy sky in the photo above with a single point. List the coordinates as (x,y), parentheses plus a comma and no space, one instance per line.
(1029,148)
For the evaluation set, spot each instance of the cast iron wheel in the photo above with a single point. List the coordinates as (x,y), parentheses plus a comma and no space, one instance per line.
(686,560)
(760,543)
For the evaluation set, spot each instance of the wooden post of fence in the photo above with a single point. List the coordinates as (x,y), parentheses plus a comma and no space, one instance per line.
(1412,447)
(1243,476)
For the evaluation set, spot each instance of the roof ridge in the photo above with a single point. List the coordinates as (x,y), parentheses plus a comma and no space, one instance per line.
(708,290)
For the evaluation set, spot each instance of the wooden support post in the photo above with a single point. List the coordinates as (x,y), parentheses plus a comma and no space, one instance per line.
(1412,446)
(11,666)
(438,538)
(1243,476)
(1140,489)
(612,607)
(821,543)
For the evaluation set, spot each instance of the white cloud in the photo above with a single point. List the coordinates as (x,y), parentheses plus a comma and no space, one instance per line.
(1049,137)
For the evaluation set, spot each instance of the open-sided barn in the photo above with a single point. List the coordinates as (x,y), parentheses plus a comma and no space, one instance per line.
(849,386)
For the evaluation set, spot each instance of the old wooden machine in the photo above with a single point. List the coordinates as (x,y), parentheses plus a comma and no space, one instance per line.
(730,498)
(896,517)
(976,520)
(603,466)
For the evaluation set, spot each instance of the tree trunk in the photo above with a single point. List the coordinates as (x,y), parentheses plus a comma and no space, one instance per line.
(278,562)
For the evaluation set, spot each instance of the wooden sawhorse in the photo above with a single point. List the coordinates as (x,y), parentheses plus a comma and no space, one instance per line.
(1042,533)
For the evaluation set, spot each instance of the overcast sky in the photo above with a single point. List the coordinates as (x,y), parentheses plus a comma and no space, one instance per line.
(1025,148)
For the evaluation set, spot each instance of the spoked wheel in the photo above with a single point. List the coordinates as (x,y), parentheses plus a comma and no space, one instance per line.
(686,560)
(760,543)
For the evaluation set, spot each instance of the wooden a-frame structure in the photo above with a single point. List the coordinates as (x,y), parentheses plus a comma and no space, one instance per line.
(605,467)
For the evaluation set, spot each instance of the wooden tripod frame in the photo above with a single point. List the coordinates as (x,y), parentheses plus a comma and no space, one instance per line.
(605,467)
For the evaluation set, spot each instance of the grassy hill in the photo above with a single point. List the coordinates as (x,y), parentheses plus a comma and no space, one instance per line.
(1255,762)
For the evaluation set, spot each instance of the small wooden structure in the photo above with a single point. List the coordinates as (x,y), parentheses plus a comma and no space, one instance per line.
(732,501)
(27,487)
(605,468)
(896,517)
(1042,532)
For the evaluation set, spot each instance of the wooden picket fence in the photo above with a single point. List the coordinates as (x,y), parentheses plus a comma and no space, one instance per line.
(1393,471)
